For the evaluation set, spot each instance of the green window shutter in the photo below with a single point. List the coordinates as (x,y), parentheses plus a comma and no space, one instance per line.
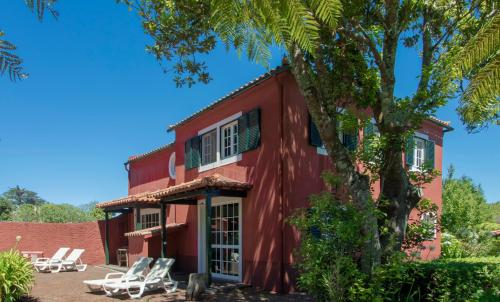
(350,141)
(429,153)
(409,149)
(249,131)
(314,137)
(192,154)
(187,154)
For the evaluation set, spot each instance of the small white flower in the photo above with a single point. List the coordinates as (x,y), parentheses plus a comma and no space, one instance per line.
(18,238)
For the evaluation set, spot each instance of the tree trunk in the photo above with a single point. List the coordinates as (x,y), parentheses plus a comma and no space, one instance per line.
(397,197)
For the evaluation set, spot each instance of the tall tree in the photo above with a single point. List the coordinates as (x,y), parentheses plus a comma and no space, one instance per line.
(343,56)
(6,208)
(10,63)
(19,196)
(464,204)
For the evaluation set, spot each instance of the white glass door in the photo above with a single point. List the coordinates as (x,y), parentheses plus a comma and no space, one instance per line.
(225,261)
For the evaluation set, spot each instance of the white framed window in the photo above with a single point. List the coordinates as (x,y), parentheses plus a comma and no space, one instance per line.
(219,143)
(229,133)
(171,165)
(431,219)
(208,147)
(419,153)
(149,218)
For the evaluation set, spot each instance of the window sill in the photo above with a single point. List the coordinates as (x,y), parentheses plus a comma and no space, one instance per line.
(222,162)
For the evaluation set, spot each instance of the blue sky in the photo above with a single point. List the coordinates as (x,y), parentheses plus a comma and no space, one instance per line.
(94,97)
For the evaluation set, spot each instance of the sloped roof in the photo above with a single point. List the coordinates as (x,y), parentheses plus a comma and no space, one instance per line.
(232,94)
(155,230)
(140,156)
(153,198)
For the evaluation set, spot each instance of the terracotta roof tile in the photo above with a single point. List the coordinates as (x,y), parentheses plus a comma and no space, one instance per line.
(153,198)
(139,156)
(154,230)
(232,94)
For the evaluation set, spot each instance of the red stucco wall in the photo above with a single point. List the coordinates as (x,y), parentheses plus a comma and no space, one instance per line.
(282,181)
(48,237)
(150,173)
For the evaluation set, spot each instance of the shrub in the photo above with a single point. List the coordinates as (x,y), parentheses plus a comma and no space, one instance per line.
(330,243)
(466,279)
(16,276)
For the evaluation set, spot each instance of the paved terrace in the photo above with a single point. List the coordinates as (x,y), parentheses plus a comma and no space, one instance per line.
(68,286)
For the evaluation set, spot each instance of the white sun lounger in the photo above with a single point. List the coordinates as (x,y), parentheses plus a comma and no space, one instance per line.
(42,264)
(72,262)
(158,277)
(135,272)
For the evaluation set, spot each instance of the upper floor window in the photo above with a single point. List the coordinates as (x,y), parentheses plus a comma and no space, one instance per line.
(209,147)
(223,142)
(229,139)
(420,152)
(350,141)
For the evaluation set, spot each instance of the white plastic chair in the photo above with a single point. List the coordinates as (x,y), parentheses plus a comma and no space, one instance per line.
(158,277)
(135,272)
(43,264)
(72,262)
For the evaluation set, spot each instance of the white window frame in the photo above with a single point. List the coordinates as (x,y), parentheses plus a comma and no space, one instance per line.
(424,137)
(217,201)
(233,139)
(144,212)
(433,219)
(219,160)
(204,146)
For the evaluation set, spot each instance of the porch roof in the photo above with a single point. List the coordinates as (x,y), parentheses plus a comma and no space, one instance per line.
(152,199)
(155,230)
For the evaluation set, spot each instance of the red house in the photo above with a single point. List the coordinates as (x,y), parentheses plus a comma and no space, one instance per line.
(236,170)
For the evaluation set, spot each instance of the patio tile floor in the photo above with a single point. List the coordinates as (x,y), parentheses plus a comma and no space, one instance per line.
(68,286)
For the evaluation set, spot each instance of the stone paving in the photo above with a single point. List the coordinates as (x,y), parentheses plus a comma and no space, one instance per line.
(68,286)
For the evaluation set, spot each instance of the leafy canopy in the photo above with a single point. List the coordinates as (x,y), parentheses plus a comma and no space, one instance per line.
(10,63)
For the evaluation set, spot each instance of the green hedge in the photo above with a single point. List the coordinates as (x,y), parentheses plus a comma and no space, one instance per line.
(466,279)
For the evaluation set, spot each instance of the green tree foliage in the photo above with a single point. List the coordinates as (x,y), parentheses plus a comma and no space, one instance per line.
(464,204)
(331,238)
(19,196)
(27,213)
(343,55)
(6,208)
(467,220)
(479,62)
(91,209)
(54,213)
(10,63)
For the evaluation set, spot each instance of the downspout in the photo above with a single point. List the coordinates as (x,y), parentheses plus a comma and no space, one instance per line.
(281,184)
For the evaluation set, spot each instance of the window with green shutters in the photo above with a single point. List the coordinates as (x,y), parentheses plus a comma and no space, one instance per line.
(419,153)
(224,142)
(350,141)
(249,131)
(192,153)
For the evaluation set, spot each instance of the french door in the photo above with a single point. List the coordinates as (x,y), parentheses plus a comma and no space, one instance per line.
(225,239)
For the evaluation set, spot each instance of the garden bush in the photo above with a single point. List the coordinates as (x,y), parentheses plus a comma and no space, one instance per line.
(16,276)
(465,279)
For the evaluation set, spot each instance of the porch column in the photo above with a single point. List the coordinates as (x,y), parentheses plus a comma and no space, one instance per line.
(163,223)
(106,236)
(208,236)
